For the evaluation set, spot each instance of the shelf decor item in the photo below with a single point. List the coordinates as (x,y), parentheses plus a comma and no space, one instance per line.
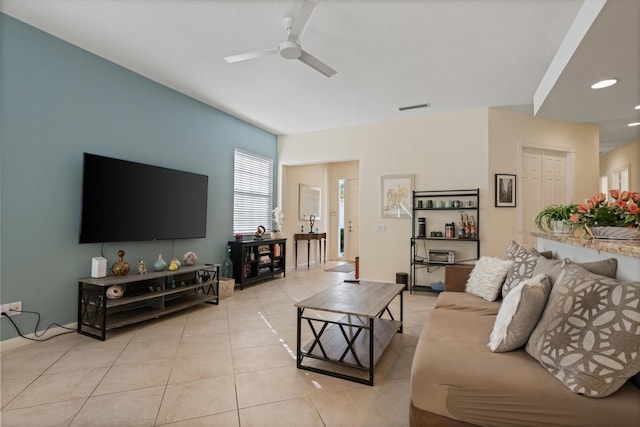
(259,234)
(505,190)
(556,219)
(142,267)
(174,264)
(115,292)
(120,268)
(160,264)
(618,218)
(278,217)
(190,258)
(227,265)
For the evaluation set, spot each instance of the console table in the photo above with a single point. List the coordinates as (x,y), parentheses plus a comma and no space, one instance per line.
(146,296)
(320,237)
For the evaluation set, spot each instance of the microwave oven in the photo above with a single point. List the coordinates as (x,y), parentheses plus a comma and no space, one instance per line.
(441,257)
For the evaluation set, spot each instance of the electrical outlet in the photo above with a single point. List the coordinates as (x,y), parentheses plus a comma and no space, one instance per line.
(11,309)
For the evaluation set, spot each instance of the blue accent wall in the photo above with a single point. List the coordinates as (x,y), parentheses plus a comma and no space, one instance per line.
(58,101)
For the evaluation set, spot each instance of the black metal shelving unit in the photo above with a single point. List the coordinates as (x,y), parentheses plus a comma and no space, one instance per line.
(422,244)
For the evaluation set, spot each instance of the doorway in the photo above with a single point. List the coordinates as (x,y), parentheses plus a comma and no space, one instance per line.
(546,180)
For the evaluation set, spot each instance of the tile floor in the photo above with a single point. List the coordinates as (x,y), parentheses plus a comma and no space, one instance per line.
(226,365)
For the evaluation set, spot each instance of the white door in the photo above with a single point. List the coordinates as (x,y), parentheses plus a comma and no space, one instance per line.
(352,217)
(543,183)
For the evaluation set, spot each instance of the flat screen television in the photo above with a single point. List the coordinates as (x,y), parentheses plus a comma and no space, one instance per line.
(125,201)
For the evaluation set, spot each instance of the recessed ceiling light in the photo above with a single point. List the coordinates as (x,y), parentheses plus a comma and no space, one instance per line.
(637,107)
(604,83)
(634,124)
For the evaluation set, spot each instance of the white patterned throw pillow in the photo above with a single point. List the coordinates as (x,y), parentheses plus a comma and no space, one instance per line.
(487,276)
(519,314)
(589,334)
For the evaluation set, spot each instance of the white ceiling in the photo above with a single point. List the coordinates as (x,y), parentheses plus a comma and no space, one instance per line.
(454,54)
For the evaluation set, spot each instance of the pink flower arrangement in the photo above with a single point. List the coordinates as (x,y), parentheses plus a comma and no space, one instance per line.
(623,210)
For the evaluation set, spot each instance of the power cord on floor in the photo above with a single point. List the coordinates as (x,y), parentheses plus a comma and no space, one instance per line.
(35,330)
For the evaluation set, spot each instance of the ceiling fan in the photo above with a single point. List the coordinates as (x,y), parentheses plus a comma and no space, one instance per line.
(290,48)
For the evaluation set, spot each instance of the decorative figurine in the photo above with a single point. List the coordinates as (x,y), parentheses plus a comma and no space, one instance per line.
(312,220)
(190,258)
(114,292)
(142,267)
(260,233)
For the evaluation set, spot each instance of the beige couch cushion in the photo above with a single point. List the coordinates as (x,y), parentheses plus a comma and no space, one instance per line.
(456,376)
(519,314)
(466,302)
(589,334)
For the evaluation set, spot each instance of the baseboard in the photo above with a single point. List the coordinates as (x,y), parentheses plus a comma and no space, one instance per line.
(17,342)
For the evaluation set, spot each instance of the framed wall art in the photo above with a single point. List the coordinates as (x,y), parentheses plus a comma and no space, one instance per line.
(396,192)
(505,190)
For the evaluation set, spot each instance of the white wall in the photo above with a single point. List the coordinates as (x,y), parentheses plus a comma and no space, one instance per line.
(446,151)
(506,131)
(627,155)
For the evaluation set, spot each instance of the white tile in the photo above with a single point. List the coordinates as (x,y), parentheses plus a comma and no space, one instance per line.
(299,412)
(194,399)
(52,414)
(59,387)
(131,408)
(198,367)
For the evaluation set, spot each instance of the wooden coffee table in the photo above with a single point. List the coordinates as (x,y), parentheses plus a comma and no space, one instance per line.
(348,346)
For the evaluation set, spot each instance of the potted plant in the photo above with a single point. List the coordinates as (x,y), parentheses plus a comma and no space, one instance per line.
(556,218)
(278,217)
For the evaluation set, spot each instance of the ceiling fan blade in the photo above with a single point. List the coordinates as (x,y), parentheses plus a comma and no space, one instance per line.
(250,55)
(301,20)
(316,64)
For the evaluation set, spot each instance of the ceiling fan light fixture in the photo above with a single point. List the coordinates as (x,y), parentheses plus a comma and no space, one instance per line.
(290,50)
(604,83)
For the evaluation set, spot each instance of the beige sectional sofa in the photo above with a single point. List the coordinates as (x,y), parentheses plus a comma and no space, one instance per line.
(457,381)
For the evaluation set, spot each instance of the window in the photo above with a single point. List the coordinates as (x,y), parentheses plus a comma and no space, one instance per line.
(604,184)
(620,179)
(252,192)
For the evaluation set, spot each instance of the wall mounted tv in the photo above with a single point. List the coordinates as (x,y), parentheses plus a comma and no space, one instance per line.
(125,201)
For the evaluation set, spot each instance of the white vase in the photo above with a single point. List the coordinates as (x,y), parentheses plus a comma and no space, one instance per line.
(275,235)
(561,227)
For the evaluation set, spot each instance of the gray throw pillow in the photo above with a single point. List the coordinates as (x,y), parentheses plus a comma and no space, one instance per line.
(524,262)
(589,334)
(553,267)
(519,314)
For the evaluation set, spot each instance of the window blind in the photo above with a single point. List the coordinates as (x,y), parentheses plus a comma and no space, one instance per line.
(252,192)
